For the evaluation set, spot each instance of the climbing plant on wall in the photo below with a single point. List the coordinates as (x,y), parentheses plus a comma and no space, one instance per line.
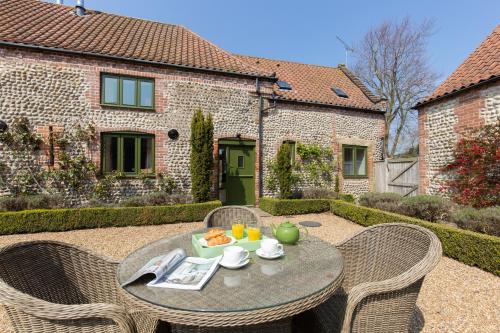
(21,144)
(28,173)
(317,165)
(76,169)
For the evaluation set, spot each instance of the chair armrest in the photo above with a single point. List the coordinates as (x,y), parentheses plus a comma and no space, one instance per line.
(46,310)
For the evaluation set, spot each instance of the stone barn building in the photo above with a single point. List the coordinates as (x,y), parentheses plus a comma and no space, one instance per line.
(139,83)
(468,99)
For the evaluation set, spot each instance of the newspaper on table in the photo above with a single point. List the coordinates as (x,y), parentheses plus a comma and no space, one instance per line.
(178,271)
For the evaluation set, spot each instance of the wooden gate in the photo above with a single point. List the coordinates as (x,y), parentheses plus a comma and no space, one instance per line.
(399,175)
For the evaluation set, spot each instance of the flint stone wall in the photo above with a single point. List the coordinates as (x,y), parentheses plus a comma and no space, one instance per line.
(442,124)
(51,89)
(325,127)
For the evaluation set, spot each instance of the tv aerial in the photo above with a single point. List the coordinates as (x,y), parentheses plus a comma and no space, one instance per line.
(348,49)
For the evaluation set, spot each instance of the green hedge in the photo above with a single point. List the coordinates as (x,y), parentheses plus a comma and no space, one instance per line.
(471,248)
(30,221)
(293,206)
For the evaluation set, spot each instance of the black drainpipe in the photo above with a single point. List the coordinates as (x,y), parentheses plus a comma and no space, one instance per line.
(261,132)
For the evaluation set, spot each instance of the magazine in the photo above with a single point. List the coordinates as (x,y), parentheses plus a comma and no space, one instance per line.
(176,270)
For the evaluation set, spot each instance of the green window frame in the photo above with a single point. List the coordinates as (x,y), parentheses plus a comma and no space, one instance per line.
(116,95)
(292,149)
(127,153)
(351,167)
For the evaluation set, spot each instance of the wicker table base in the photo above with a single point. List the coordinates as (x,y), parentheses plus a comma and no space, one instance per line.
(279,326)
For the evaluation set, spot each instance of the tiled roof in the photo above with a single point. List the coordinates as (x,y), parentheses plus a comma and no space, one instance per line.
(483,64)
(38,23)
(313,84)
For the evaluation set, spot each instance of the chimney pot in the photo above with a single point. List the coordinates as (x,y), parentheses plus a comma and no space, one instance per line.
(80,8)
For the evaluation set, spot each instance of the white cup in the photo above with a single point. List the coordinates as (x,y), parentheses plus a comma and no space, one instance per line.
(271,246)
(234,255)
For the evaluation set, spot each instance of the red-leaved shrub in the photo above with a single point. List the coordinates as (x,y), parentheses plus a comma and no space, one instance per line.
(475,170)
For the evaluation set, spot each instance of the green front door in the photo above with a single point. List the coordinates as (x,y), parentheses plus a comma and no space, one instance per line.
(239,182)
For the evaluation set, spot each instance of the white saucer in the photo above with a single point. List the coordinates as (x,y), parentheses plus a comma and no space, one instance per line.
(231,266)
(264,255)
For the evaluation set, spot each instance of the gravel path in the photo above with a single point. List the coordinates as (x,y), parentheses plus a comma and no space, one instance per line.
(454,297)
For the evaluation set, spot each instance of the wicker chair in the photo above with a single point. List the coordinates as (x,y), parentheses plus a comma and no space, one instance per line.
(55,287)
(385,266)
(227,215)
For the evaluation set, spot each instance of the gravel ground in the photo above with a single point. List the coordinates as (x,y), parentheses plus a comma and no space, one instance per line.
(454,297)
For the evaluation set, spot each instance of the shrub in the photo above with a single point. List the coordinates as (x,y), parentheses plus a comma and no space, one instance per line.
(12,204)
(201,161)
(157,199)
(165,183)
(475,169)
(39,201)
(469,247)
(92,203)
(486,220)
(347,197)
(276,206)
(319,193)
(426,207)
(31,221)
(337,183)
(44,201)
(284,172)
(384,201)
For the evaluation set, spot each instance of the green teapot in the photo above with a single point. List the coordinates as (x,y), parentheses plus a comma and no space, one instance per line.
(287,233)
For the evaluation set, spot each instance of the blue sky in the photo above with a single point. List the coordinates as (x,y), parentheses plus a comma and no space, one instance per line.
(305,31)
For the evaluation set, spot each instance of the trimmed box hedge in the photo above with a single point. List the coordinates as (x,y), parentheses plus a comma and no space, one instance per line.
(30,221)
(276,206)
(468,247)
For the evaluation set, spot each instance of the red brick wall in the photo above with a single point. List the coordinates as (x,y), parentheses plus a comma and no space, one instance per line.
(467,112)
(422,146)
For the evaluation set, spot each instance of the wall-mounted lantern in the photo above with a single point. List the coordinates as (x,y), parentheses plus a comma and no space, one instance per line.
(173,134)
(3,126)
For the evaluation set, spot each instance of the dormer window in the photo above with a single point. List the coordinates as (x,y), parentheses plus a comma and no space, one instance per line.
(339,92)
(283,85)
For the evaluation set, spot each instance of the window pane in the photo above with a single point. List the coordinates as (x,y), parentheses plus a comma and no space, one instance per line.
(348,161)
(110,154)
(110,90)
(146,155)
(241,162)
(129,154)
(147,93)
(128,91)
(360,162)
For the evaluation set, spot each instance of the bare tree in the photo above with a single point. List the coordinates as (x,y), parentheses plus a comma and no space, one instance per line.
(391,60)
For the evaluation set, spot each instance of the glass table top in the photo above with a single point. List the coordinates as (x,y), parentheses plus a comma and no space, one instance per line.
(306,269)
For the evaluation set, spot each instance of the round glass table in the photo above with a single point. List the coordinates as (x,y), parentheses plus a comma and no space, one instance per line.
(264,292)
